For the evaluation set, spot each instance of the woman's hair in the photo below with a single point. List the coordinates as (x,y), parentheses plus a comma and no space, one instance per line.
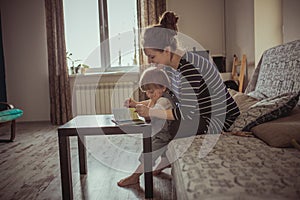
(163,34)
(153,77)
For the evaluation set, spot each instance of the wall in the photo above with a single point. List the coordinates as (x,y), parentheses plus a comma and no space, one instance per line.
(291,22)
(24,44)
(203,20)
(239,30)
(267,25)
(229,35)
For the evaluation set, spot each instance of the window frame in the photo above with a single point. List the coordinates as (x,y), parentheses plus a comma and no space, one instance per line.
(104,34)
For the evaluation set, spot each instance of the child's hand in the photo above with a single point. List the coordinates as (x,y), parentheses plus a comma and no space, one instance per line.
(142,110)
(130,103)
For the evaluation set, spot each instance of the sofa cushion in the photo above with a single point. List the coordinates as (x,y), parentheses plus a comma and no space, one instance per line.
(280,132)
(265,110)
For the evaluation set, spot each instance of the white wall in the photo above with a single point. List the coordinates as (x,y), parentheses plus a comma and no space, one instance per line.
(239,30)
(267,25)
(202,20)
(25,55)
(291,20)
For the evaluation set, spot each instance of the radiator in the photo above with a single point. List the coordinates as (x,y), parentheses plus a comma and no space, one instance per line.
(90,99)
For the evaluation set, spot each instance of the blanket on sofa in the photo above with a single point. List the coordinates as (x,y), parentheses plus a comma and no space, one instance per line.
(235,168)
(277,72)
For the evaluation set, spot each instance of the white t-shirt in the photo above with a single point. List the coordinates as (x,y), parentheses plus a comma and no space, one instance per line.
(160,125)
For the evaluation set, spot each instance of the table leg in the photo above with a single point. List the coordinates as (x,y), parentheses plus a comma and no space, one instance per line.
(82,155)
(65,166)
(147,145)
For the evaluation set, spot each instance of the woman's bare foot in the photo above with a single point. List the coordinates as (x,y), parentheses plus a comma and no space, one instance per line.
(130,180)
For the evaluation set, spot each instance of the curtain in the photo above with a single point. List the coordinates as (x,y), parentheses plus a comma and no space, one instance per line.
(2,73)
(60,94)
(148,13)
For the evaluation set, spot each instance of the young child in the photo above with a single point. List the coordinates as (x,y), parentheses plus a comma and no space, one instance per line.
(155,83)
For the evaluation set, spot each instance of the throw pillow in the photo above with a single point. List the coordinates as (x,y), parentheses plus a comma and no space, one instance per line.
(280,132)
(264,111)
(232,92)
(257,95)
(244,101)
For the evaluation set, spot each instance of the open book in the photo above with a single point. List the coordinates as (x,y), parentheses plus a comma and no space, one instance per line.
(126,116)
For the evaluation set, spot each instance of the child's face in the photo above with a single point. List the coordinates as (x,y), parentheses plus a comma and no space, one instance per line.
(155,93)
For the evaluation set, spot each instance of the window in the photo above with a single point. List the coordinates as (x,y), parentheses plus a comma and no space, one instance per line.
(102,33)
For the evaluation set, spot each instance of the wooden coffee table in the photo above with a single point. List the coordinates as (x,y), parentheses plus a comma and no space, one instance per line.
(88,125)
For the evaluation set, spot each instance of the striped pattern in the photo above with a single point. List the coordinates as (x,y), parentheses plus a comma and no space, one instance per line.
(201,93)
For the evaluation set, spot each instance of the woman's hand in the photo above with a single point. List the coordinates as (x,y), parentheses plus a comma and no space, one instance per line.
(130,103)
(142,110)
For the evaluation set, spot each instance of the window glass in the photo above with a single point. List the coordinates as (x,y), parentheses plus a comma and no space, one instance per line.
(122,23)
(82,32)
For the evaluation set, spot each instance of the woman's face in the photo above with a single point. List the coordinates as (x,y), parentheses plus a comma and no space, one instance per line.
(157,57)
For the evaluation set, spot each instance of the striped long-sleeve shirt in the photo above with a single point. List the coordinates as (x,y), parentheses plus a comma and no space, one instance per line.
(204,104)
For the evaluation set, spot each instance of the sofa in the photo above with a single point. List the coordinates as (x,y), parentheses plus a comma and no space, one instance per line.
(260,157)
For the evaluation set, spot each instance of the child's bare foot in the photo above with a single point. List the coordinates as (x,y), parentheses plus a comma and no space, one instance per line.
(164,163)
(159,170)
(130,180)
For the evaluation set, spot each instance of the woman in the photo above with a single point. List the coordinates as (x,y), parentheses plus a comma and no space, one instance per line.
(204,104)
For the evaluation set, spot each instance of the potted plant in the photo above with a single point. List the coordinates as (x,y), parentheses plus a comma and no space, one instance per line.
(76,69)
(83,68)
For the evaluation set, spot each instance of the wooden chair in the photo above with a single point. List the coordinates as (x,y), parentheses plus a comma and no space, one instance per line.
(9,116)
(238,74)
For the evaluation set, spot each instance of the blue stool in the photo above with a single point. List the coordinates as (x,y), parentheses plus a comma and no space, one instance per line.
(9,116)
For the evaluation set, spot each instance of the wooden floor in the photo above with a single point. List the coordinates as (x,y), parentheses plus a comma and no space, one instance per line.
(29,167)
